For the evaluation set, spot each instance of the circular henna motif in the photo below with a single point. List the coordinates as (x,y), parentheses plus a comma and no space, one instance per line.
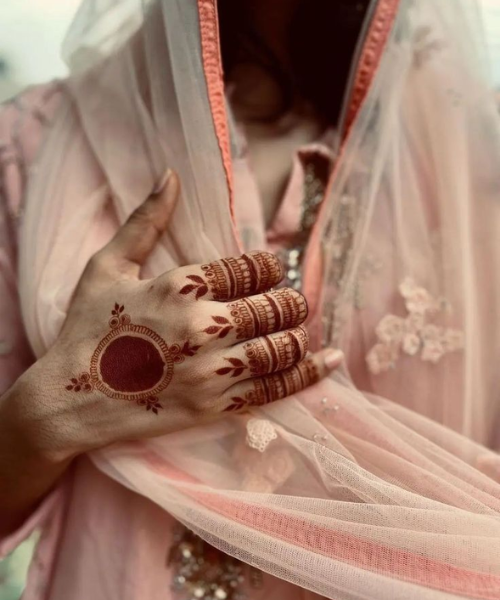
(131,362)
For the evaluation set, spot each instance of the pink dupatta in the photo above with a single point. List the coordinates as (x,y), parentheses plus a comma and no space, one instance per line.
(378,482)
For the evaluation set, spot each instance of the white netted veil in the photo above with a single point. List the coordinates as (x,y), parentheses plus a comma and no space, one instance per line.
(358,493)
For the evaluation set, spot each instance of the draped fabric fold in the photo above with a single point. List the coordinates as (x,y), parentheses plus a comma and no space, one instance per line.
(383,481)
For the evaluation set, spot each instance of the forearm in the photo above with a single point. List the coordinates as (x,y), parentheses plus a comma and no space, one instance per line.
(29,468)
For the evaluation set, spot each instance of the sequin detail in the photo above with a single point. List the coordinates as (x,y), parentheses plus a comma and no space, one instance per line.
(347,288)
(201,572)
(260,433)
(416,334)
(316,173)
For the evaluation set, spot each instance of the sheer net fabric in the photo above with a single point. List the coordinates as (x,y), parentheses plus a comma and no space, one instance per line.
(389,492)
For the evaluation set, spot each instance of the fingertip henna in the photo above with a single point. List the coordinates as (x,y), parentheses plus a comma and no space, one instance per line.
(277,352)
(230,278)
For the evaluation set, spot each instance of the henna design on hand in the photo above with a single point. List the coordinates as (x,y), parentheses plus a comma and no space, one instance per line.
(119,317)
(277,386)
(131,362)
(277,352)
(236,369)
(222,328)
(81,383)
(230,278)
(198,284)
(254,317)
(270,354)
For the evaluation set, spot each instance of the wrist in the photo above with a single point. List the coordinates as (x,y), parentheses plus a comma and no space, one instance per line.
(36,421)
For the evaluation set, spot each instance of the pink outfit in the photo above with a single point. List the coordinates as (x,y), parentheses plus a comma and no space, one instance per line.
(359,495)
(87,504)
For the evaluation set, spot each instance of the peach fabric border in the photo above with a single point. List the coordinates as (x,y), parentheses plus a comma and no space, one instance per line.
(378,33)
(212,66)
(338,545)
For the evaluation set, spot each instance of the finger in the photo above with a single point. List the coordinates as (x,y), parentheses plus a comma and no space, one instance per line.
(231,278)
(136,239)
(255,316)
(264,355)
(267,389)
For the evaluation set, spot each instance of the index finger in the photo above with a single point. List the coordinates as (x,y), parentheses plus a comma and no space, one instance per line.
(232,278)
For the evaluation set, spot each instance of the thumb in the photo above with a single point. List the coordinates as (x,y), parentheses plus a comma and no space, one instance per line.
(136,239)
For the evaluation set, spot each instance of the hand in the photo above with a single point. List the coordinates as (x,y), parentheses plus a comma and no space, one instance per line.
(140,358)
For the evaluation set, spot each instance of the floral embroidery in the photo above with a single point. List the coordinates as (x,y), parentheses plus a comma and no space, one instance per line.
(260,433)
(414,334)
(339,244)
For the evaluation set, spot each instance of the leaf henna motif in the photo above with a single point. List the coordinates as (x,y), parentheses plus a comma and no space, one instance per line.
(237,404)
(150,403)
(178,354)
(222,329)
(82,383)
(236,369)
(118,317)
(199,285)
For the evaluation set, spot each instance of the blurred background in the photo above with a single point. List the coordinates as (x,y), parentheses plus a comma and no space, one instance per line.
(31,32)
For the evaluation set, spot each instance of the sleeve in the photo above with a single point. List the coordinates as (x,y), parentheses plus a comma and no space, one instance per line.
(18,131)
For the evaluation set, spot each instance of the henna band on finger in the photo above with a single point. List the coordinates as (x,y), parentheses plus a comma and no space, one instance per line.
(269,354)
(276,353)
(252,273)
(277,386)
(254,317)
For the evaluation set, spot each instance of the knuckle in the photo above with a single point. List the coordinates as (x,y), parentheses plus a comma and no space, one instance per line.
(197,409)
(167,284)
(97,264)
(188,282)
(141,215)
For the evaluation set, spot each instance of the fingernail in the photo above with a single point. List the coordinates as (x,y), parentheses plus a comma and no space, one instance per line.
(333,358)
(163,181)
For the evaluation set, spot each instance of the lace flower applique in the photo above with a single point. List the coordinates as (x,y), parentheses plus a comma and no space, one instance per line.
(260,433)
(414,335)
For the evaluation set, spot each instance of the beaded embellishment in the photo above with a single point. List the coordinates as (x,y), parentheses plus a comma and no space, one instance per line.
(204,573)
(316,174)
(416,334)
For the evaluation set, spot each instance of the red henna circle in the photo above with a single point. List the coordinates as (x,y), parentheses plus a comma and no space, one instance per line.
(131,362)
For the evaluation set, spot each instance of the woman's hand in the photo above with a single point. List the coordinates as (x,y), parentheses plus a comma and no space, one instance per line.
(140,358)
